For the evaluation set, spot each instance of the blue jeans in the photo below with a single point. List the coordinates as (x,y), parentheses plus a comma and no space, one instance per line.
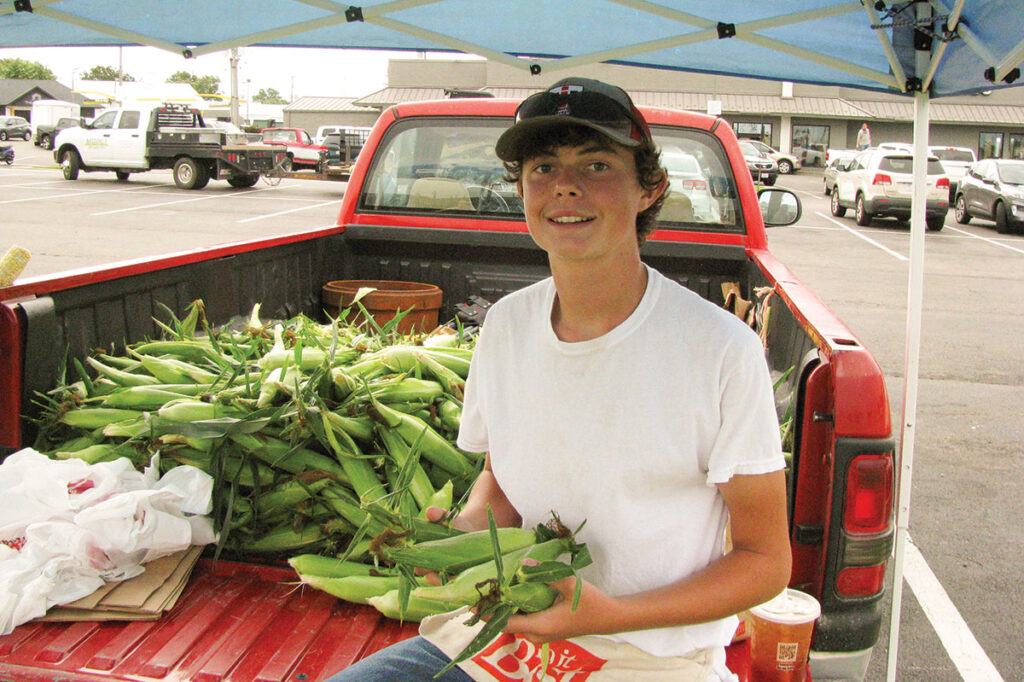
(410,660)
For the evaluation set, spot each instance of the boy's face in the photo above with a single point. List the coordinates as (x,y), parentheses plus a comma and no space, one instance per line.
(581,201)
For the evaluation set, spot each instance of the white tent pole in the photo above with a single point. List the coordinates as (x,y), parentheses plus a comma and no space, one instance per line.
(915,302)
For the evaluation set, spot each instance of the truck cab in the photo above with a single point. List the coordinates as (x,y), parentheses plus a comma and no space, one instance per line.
(115,137)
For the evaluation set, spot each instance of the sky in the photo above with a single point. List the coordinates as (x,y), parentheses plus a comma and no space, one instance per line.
(293,72)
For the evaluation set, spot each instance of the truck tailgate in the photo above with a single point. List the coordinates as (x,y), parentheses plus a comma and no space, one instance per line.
(234,622)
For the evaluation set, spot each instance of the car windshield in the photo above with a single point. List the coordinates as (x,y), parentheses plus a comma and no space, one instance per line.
(278,135)
(749,149)
(446,167)
(1012,174)
(905,164)
(957,155)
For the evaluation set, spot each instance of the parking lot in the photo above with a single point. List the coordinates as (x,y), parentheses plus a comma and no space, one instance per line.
(960,617)
(97,220)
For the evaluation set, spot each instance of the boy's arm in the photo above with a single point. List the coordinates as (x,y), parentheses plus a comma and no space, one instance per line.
(757,569)
(485,492)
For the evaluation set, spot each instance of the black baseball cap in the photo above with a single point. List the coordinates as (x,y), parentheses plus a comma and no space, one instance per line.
(576,101)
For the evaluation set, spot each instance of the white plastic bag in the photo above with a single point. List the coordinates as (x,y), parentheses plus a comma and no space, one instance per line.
(66,526)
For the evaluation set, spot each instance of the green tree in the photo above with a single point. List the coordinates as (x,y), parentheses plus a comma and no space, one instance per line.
(106,73)
(22,69)
(204,85)
(269,96)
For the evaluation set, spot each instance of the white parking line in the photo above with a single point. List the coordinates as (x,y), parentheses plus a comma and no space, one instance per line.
(291,210)
(869,240)
(986,239)
(967,655)
(65,196)
(178,201)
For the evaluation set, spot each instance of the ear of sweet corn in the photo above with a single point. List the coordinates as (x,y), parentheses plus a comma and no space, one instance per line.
(433,446)
(328,567)
(455,554)
(358,589)
(530,597)
(389,604)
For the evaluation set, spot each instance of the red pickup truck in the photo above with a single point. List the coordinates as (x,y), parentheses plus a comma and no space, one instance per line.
(426,202)
(302,151)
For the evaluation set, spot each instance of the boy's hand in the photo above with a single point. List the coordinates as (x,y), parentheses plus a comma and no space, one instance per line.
(593,615)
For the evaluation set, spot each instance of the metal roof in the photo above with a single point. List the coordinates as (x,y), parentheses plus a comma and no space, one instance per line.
(753,105)
(334,104)
(13,89)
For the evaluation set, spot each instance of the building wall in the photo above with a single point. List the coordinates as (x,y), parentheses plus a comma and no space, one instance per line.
(842,132)
(311,120)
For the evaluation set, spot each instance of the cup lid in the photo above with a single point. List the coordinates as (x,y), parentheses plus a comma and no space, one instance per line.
(790,607)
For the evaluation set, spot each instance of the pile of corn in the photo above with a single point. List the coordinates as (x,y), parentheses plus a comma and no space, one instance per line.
(320,437)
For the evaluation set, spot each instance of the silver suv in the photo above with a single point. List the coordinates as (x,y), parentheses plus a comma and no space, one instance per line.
(955,160)
(878,183)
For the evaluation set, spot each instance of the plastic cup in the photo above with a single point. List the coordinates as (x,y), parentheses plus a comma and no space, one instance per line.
(780,640)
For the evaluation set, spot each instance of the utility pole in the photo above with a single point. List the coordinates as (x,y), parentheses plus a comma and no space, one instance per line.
(234,87)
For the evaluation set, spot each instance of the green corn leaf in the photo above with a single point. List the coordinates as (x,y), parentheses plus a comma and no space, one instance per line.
(496,623)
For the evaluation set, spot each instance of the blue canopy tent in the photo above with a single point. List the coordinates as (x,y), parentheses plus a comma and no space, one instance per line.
(921,48)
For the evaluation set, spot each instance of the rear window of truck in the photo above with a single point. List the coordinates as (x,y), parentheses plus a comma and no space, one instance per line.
(447,166)
(905,164)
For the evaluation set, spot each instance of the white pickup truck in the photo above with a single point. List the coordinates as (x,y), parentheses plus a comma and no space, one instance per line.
(142,137)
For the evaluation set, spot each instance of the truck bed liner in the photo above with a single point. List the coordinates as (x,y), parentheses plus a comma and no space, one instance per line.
(234,622)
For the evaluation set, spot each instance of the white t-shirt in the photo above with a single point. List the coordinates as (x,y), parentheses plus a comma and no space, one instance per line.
(629,432)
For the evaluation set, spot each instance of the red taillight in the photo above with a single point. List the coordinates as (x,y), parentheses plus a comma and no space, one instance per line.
(861,581)
(694,184)
(881,179)
(942,182)
(869,495)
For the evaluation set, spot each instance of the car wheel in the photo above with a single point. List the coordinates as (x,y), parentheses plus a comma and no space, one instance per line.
(44,142)
(769,180)
(960,210)
(863,217)
(27,136)
(785,167)
(287,164)
(935,224)
(3,135)
(1002,226)
(70,164)
(122,176)
(190,174)
(837,210)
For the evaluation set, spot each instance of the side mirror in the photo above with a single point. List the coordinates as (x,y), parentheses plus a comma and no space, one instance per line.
(779,207)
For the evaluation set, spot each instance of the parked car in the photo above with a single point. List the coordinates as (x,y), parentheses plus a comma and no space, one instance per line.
(302,151)
(896,147)
(956,161)
(788,163)
(690,199)
(333,143)
(993,189)
(837,161)
(46,134)
(879,183)
(323,131)
(762,167)
(14,126)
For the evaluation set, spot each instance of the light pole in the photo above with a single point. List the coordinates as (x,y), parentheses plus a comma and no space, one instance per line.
(248,98)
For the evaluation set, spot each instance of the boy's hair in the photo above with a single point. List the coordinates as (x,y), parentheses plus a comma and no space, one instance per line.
(647,157)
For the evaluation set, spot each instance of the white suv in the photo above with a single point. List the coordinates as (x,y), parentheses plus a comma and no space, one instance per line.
(955,160)
(879,183)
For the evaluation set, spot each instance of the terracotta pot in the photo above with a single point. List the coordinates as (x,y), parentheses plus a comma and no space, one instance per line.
(424,300)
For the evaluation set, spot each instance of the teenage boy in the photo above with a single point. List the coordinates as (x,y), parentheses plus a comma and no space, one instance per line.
(612,395)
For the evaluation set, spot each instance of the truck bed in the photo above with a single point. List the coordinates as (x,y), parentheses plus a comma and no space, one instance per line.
(235,622)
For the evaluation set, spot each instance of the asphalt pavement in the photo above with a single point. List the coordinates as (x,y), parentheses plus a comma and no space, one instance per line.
(962,605)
